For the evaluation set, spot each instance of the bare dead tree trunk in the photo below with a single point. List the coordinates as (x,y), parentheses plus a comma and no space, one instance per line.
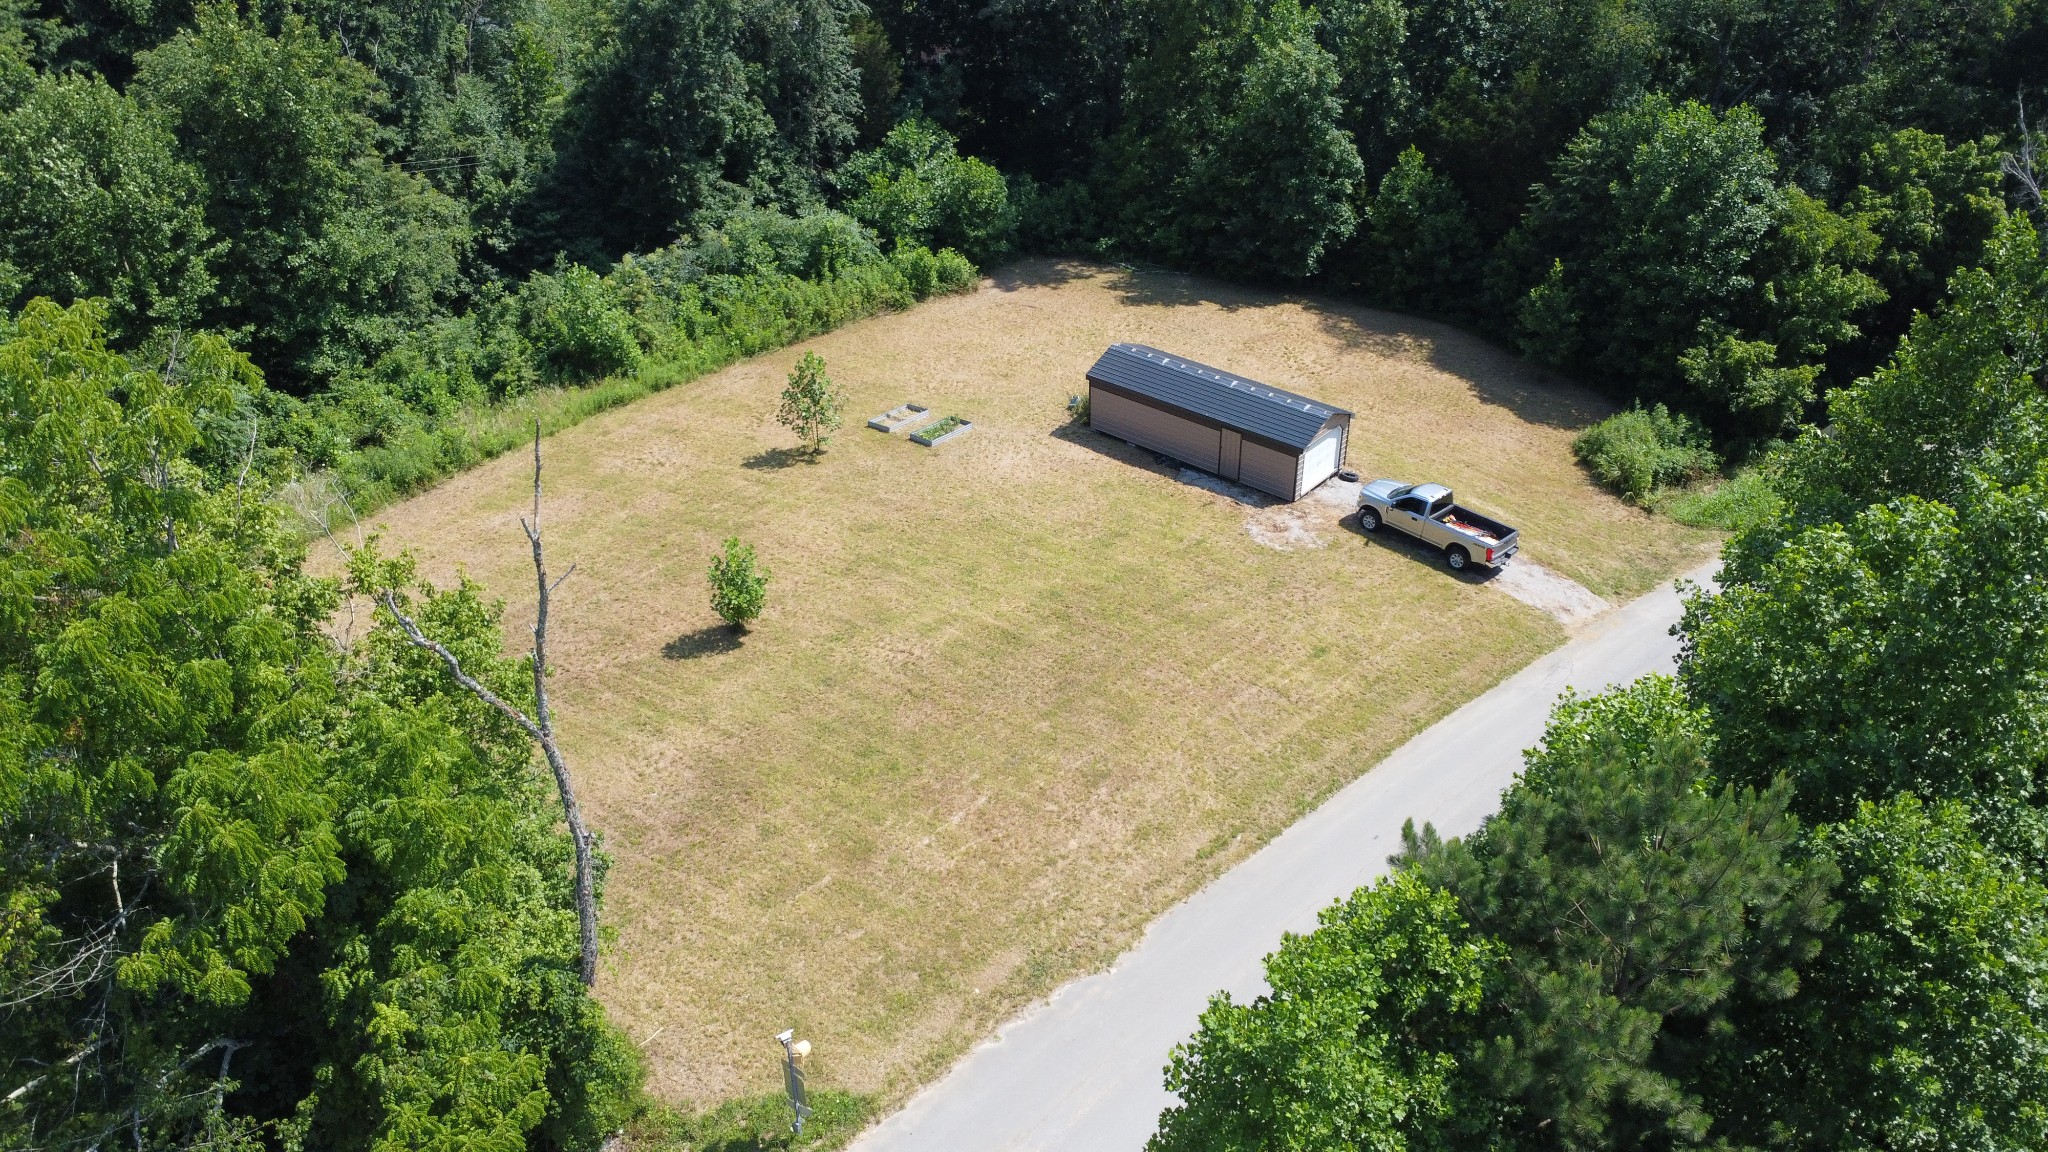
(586,886)
(2021,164)
(541,726)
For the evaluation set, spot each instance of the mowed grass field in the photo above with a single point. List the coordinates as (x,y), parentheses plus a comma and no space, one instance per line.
(1013,696)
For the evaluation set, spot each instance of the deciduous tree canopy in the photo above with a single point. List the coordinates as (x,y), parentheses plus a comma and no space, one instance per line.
(256,885)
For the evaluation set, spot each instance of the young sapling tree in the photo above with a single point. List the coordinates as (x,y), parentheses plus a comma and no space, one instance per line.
(739,585)
(811,404)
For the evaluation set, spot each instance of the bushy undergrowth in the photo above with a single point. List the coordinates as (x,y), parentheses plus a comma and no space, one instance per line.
(1640,451)
(571,343)
(1744,500)
(756,1124)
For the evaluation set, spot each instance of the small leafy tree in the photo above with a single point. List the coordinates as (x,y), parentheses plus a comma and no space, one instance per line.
(811,403)
(739,585)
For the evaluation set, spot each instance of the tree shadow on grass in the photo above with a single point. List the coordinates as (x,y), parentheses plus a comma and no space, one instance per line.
(1494,373)
(1045,272)
(1166,287)
(772,459)
(716,640)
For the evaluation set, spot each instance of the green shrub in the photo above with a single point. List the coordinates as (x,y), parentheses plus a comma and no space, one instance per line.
(927,273)
(576,326)
(955,272)
(761,241)
(919,268)
(1640,451)
(916,189)
(739,585)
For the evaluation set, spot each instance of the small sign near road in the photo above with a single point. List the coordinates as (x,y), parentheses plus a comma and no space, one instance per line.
(793,1053)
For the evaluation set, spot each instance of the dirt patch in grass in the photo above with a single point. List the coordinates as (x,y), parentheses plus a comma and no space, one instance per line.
(1539,587)
(947,771)
(1310,522)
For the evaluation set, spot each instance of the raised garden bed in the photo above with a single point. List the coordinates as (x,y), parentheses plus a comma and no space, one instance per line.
(898,417)
(946,429)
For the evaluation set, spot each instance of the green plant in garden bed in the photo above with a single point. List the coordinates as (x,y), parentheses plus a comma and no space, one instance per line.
(944,425)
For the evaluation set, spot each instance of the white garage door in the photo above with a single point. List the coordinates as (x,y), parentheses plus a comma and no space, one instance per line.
(1320,460)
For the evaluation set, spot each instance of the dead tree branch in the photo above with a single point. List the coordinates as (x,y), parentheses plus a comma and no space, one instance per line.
(91,959)
(70,1061)
(2022,164)
(541,726)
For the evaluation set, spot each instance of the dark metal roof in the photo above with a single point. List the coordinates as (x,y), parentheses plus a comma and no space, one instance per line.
(1234,401)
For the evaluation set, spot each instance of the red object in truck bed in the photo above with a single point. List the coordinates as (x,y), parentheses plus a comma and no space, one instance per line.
(1476,530)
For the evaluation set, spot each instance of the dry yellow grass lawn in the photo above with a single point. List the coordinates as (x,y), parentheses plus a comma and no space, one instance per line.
(1013,696)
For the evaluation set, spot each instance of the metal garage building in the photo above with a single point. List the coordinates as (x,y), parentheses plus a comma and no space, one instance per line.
(1239,429)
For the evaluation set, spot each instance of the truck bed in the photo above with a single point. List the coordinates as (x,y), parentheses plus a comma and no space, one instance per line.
(1489,530)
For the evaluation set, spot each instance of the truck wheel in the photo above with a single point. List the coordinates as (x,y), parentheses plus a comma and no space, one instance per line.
(1457,558)
(1369,519)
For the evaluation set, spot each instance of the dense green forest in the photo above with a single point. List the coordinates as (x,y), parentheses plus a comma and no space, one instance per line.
(404,215)
(260,888)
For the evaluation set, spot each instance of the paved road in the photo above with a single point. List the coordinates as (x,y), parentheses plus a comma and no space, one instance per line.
(1081,1072)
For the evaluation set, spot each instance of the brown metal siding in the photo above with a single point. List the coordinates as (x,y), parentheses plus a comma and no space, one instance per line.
(1267,470)
(1228,453)
(1102,387)
(1184,440)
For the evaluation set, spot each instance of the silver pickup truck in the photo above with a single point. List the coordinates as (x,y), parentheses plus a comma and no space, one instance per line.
(1427,512)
